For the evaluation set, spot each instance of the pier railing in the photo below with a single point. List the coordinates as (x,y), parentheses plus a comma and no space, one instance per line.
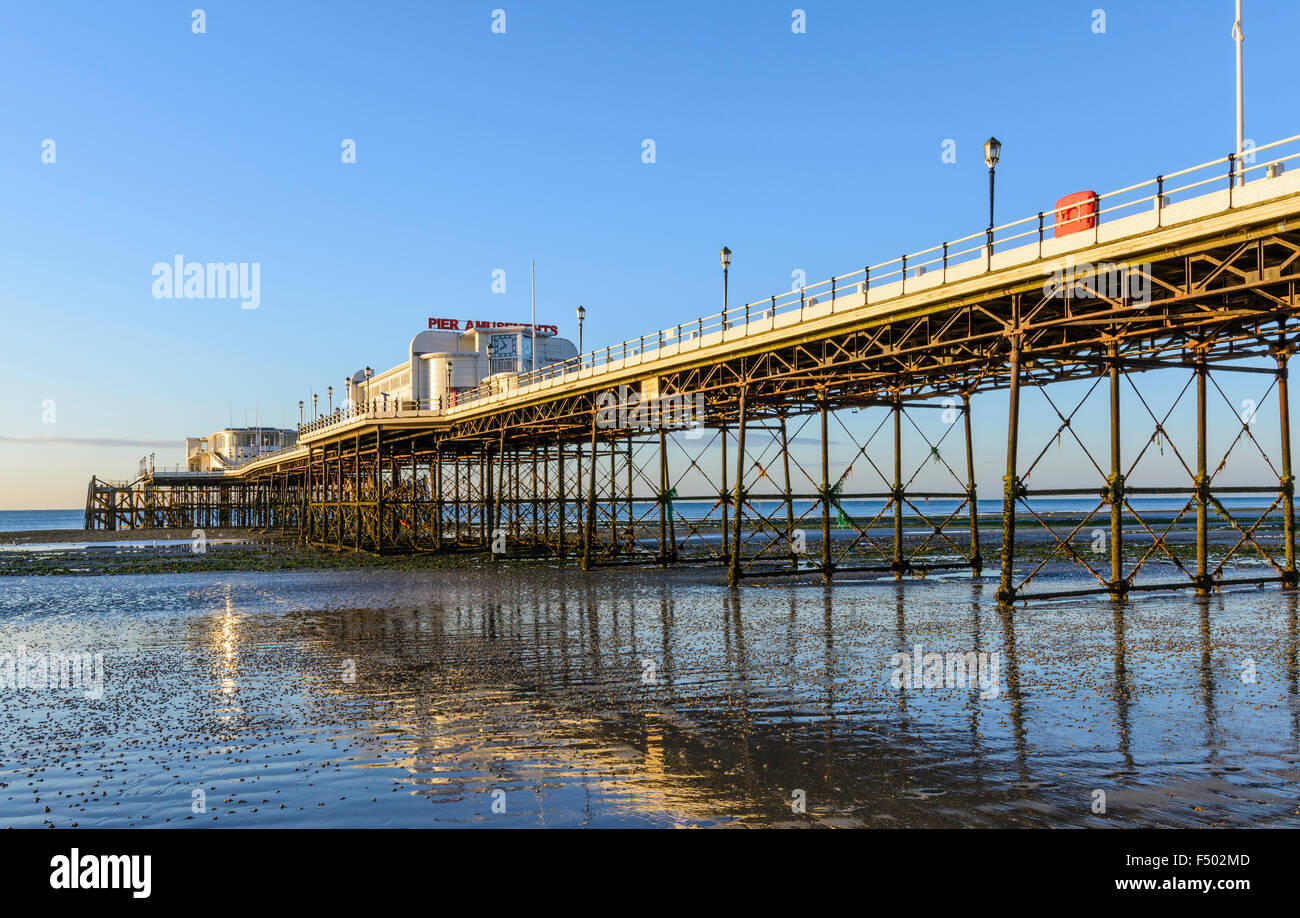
(1199,190)
(1158,198)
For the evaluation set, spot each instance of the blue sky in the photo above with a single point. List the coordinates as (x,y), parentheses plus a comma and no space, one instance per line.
(477,151)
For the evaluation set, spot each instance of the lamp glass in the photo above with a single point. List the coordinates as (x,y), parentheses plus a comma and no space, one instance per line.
(992,151)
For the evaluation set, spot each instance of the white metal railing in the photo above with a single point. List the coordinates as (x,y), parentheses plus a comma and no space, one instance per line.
(376,408)
(761,315)
(764,315)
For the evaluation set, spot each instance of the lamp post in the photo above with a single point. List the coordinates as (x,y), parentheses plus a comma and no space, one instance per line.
(299,412)
(449,365)
(330,390)
(725,257)
(315,415)
(347,392)
(992,153)
(369,373)
(582,314)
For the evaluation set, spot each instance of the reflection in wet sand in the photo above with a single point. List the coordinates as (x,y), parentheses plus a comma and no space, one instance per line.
(526,697)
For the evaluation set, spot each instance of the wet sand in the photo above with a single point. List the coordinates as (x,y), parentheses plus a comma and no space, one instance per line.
(527,695)
(77,536)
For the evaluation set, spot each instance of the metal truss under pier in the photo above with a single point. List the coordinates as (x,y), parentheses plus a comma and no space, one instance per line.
(846,444)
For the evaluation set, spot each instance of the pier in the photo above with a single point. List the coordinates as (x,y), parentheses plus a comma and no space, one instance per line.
(676,447)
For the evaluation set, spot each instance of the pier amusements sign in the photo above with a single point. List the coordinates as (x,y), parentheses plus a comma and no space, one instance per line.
(472,324)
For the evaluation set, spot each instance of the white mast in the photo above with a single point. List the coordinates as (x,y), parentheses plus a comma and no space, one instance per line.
(1239,38)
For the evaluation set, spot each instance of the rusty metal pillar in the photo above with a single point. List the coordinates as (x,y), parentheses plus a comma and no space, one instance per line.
(436,468)
(533,522)
(827,566)
(1010,482)
(613,497)
(589,536)
(663,497)
(976,561)
(630,535)
(1203,583)
(789,495)
(724,496)
(379,491)
(502,495)
(1289,579)
(898,565)
(546,496)
(1115,487)
(485,496)
(559,500)
(733,570)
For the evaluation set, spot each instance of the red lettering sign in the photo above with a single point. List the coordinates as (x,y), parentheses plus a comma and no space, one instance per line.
(470,324)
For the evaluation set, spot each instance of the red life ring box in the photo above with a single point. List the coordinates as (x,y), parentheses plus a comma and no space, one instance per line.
(1075,213)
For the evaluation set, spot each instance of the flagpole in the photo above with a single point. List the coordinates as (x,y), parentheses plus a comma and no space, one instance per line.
(532,329)
(1239,37)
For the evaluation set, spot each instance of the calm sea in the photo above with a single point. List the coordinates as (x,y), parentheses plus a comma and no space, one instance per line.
(29,520)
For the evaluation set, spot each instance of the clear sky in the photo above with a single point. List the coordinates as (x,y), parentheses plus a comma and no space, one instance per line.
(477,151)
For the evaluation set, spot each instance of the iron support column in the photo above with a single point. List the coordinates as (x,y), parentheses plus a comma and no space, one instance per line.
(976,561)
(1288,480)
(590,535)
(733,571)
(827,567)
(1010,482)
(789,499)
(1115,491)
(1203,583)
(898,565)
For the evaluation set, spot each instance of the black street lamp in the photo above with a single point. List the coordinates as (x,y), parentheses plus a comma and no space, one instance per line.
(725,257)
(992,153)
(369,372)
(582,314)
(299,412)
(315,415)
(330,390)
